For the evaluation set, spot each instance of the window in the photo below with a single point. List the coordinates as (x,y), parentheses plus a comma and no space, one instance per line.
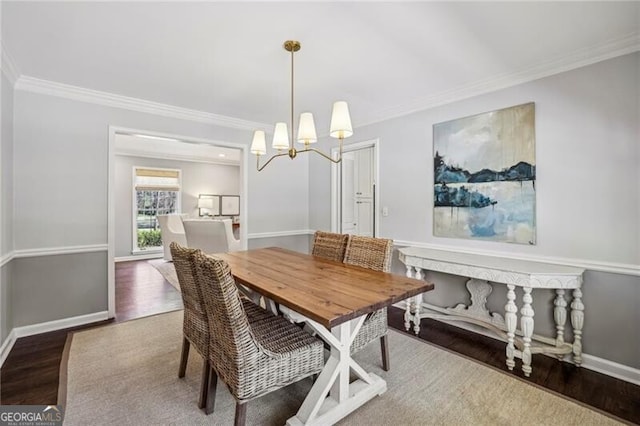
(155,191)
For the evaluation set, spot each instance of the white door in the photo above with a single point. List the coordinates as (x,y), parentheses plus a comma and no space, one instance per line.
(357,192)
(348,225)
(364,217)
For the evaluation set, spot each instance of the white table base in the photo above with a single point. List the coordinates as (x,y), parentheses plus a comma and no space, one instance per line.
(332,397)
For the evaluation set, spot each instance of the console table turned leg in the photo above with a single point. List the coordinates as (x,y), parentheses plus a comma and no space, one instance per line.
(577,321)
(560,317)
(526,323)
(409,301)
(510,319)
(417,306)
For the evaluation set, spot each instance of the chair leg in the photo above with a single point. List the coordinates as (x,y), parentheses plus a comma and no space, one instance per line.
(241,414)
(184,357)
(211,393)
(384,348)
(204,384)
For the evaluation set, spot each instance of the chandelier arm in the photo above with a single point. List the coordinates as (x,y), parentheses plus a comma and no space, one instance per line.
(259,168)
(335,161)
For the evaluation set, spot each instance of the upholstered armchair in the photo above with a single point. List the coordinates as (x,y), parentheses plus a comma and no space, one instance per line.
(211,236)
(172,231)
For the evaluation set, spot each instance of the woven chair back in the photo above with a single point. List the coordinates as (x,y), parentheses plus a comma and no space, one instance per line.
(368,252)
(195,325)
(329,245)
(232,348)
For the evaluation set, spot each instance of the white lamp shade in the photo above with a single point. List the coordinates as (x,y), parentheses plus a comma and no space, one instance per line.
(307,129)
(340,121)
(281,136)
(205,203)
(258,146)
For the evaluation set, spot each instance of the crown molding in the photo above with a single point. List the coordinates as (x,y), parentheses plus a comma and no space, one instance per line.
(579,58)
(8,65)
(52,88)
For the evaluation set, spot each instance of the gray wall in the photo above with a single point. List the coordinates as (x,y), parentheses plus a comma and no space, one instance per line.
(197,178)
(6,202)
(62,145)
(588,191)
(61,286)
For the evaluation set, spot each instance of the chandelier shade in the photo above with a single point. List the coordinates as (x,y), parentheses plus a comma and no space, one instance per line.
(280,136)
(340,121)
(307,129)
(340,128)
(259,144)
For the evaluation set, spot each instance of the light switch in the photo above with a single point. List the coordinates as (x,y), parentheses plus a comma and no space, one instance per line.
(385,211)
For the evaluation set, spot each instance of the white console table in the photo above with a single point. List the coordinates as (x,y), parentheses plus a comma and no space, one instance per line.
(484,270)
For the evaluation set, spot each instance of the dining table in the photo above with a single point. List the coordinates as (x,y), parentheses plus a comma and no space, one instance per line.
(333,299)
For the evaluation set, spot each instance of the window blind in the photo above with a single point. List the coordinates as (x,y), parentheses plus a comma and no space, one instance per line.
(157,180)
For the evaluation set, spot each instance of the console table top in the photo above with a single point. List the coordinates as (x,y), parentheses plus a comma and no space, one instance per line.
(492,268)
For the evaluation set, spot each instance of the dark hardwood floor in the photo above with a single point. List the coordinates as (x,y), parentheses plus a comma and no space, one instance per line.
(30,375)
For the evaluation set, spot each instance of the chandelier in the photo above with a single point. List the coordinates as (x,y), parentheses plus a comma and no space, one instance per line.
(283,141)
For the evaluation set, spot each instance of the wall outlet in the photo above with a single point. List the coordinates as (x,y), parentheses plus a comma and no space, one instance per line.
(385,211)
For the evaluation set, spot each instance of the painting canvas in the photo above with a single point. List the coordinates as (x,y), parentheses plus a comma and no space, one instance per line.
(484,176)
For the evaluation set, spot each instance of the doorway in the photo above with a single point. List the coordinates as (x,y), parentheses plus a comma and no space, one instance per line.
(355,191)
(197,163)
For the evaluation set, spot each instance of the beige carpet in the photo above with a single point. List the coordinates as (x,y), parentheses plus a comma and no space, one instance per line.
(126,374)
(167,270)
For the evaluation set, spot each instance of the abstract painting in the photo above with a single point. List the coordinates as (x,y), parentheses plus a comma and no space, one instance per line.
(485,176)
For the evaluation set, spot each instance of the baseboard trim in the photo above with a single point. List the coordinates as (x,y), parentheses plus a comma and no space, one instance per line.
(45,327)
(592,265)
(6,347)
(611,368)
(157,255)
(53,251)
(590,362)
(281,234)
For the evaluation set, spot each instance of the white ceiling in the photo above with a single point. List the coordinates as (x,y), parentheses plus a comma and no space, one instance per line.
(385,59)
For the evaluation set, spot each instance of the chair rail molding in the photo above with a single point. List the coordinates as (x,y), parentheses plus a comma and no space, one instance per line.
(6,258)
(53,251)
(591,265)
(276,234)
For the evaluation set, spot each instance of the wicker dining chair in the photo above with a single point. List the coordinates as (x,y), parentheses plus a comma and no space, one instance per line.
(329,245)
(371,253)
(195,327)
(252,357)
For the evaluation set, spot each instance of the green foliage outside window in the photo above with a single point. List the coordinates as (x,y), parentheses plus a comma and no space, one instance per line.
(149,238)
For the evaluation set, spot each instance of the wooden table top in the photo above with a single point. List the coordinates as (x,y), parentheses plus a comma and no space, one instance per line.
(327,292)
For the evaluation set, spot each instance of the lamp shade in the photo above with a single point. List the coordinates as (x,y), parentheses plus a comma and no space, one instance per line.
(307,129)
(281,136)
(340,121)
(258,146)
(205,203)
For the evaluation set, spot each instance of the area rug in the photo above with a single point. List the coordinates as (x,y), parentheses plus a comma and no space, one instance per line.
(126,373)
(167,270)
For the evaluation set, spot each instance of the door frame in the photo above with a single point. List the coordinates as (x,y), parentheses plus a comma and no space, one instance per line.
(111,211)
(336,181)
